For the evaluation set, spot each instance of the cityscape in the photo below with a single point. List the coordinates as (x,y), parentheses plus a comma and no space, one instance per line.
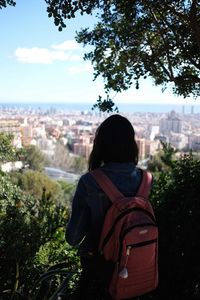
(75,129)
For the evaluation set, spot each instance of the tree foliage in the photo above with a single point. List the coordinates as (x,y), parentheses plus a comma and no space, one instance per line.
(79,164)
(7,152)
(176,198)
(33,210)
(61,157)
(65,160)
(163,160)
(55,253)
(27,224)
(4,3)
(139,39)
(34,158)
(34,182)
(68,191)
(19,232)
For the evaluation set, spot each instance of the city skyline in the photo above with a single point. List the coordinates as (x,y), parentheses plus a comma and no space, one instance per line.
(46,129)
(41,64)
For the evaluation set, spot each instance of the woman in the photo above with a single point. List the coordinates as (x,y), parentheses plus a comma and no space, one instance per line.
(115,152)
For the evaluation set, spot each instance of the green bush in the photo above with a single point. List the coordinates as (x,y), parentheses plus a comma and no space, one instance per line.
(28,225)
(33,215)
(55,252)
(19,233)
(176,196)
(34,212)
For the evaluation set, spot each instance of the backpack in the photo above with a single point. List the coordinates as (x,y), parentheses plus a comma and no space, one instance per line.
(129,238)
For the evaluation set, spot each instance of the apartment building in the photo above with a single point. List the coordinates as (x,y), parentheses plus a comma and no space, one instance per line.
(171,123)
(194,142)
(10,126)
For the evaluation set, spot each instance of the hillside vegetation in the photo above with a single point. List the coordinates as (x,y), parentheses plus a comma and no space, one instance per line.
(34,211)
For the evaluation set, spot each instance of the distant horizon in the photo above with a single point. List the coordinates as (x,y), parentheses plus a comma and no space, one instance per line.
(124,107)
(92,103)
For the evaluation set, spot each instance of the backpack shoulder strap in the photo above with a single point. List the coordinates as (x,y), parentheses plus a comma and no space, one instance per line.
(145,185)
(106,184)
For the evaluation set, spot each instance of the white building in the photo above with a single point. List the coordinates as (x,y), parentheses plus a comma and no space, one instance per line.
(170,124)
(178,140)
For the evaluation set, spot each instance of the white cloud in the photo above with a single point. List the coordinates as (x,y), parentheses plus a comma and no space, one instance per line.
(43,55)
(60,52)
(67,45)
(75,57)
(80,69)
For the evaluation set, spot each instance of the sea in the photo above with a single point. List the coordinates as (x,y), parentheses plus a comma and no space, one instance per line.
(122,107)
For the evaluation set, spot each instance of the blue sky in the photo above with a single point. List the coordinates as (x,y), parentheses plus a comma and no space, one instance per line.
(40,64)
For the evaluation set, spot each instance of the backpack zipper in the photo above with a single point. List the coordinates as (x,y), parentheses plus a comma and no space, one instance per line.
(124,271)
(135,226)
(141,244)
(109,234)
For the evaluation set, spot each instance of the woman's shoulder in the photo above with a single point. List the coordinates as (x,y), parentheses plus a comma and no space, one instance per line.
(85,176)
(88,181)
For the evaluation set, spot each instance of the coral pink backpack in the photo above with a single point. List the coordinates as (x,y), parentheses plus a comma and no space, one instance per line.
(129,238)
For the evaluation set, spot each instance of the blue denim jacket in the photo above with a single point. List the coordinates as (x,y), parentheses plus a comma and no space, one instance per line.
(90,204)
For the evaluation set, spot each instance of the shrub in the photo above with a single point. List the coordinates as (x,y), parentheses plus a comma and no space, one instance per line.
(176,195)
(26,224)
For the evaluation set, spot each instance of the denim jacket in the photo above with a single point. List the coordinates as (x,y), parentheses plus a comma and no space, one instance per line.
(90,204)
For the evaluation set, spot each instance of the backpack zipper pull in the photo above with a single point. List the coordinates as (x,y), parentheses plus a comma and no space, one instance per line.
(124,272)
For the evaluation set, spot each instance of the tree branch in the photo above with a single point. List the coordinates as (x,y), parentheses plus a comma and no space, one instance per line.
(162,65)
(165,44)
(195,22)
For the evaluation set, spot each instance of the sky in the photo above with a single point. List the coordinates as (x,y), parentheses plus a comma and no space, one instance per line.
(40,64)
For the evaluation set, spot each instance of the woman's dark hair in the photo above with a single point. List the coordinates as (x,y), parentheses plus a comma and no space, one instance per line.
(114,142)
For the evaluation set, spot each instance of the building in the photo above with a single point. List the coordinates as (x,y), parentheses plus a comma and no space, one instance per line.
(170,124)
(142,148)
(83,149)
(152,147)
(178,140)
(26,134)
(194,142)
(10,126)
